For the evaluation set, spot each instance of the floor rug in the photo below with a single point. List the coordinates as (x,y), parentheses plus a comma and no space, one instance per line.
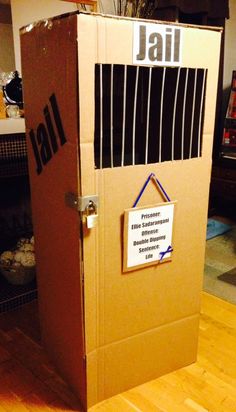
(220,258)
(229,277)
(216,228)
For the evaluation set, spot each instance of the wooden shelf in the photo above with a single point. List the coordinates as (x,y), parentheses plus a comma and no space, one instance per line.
(12,126)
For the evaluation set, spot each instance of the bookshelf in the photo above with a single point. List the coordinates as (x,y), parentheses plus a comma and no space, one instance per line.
(223,182)
(228,148)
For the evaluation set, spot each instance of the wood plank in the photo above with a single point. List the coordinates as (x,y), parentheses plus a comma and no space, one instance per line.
(117,403)
(204,389)
(30,383)
(161,395)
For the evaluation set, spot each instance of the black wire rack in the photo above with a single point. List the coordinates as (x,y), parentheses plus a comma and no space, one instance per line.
(13,155)
(14,296)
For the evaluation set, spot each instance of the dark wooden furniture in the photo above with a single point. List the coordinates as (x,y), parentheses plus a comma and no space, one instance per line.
(223,183)
(223,187)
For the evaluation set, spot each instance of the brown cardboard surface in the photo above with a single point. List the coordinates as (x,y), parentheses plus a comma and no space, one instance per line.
(121,309)
(112,316)
(149,355)
(181,290)
(56,226)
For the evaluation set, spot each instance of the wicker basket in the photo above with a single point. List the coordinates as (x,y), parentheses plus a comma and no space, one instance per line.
(18,276)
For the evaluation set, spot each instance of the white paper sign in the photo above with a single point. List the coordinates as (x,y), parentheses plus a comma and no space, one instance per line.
(157,44)
(149,234)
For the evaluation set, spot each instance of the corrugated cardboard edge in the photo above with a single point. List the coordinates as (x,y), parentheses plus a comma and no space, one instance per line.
(60,282)
(49,21)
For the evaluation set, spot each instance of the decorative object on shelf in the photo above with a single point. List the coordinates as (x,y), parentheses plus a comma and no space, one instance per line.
(231,110)
(136,8)
(2,106)
(18,265)
(13,90)
(5,77)
(13,111)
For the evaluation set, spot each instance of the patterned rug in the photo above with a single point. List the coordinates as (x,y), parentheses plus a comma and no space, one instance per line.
(229,277)
(220,264)
(216,228)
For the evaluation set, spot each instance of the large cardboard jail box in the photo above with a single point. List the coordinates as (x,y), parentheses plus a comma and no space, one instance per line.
(119,117)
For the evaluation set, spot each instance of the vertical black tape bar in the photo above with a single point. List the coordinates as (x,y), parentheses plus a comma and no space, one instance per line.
(101,116)
(183,115)
(161,111)
(124,116)
(193,112)
(134,114)
(174,115)
(111,114)
(201,113)
(148,114)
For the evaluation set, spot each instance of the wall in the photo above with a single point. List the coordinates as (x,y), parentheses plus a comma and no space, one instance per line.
(7,59)
(28,11)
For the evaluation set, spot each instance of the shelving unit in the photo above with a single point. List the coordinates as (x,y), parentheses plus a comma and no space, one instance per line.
(12,126)
(229,134)
(223,183)
(13,151)
(15,210)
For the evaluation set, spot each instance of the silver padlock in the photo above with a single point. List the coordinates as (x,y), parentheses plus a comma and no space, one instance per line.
(91,215)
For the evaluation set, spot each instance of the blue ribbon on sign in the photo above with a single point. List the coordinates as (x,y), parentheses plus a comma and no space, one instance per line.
(168,250)
(153,177)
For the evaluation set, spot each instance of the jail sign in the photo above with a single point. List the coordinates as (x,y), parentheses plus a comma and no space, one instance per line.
(148,235)
(157,44)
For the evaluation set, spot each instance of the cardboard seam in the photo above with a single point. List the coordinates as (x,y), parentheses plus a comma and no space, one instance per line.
(102,334)
(163,326)
(100,298)
(97,266)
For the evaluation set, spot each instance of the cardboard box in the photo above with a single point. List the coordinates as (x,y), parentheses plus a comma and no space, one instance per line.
(110,102)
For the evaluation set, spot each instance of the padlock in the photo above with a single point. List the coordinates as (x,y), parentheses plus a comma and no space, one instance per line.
(91,215)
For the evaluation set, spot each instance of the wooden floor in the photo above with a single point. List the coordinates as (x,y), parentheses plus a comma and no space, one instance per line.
(28,382)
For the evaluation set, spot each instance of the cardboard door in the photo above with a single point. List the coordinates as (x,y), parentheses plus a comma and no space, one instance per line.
(143,323)
(49,65)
